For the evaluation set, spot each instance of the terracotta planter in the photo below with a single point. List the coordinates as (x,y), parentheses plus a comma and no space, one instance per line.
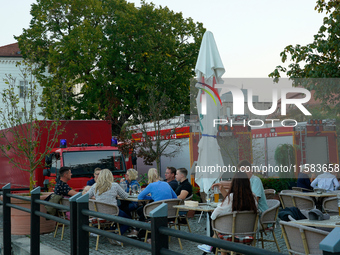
(21,221)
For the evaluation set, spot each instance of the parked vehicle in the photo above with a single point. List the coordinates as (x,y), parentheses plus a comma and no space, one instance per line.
(315,142)
(83,146)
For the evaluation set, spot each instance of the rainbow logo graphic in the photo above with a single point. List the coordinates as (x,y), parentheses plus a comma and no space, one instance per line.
(204,100)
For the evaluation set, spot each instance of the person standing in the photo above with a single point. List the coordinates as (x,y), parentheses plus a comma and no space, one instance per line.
(184,188)
(170,174)
(61,188)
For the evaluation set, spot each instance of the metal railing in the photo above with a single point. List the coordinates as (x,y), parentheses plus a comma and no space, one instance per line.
(79,227)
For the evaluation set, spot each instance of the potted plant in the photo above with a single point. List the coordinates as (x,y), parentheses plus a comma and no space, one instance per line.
(143,181)
(21,138)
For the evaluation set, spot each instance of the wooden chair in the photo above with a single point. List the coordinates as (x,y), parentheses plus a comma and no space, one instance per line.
(236,223)
(102,223)
(172,214)
(302,239)
(62,214)
(269,217)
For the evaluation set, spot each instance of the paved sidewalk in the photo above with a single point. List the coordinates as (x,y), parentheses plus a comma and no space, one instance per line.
(55,246)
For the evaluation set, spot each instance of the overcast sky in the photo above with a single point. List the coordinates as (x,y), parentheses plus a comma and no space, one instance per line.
(249,34)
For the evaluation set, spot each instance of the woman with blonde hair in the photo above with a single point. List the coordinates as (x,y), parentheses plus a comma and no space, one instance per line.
(157,189)
(106,190)
(131,176)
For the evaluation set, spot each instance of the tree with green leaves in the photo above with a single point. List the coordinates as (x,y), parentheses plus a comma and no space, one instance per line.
(114,52)
(319,59)
(25,138)
(285,156)
(162,141)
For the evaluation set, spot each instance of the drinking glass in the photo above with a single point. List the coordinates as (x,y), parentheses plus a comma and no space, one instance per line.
(139,189)
(134,189)
(208,198)
(216,194)
(124,186)
(338,196)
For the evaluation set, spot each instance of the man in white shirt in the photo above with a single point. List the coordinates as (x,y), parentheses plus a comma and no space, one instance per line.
(326,181)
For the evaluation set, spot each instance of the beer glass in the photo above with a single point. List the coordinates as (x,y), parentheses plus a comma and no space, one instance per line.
(216,194)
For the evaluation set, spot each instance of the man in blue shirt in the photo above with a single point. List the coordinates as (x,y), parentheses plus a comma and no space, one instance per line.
(96,173)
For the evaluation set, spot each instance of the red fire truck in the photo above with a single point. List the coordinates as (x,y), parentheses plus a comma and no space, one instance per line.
(235,144)
(315,140)
(84,145)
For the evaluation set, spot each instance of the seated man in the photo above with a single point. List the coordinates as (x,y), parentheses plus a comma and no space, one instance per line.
(326,181)
(184,188)
(303,180)
(96,173)
(61,187)
(170,174)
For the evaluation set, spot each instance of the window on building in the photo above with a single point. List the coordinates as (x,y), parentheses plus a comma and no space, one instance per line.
(22,88)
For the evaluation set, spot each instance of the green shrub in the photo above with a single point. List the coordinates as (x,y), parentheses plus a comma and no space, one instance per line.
(278,183)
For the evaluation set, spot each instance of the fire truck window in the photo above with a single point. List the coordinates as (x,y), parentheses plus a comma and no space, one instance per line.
(55,166)
(83,163)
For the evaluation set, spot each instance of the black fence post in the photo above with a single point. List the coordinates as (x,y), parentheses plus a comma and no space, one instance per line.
(82,236)
(35,222)
(159,219)
(6,220)
(73,223)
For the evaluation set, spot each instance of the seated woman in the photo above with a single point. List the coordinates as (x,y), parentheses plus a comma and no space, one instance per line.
(238,198)
(106,190)
(156,190)
(131,176)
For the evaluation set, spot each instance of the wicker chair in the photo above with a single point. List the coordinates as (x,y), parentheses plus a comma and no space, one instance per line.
(236,223)
(102,223)
(182,220)
(330,205)
(172,213)
(269,216)
(302,239)
(269,193)
(301,189)
(62,214)
(303,203)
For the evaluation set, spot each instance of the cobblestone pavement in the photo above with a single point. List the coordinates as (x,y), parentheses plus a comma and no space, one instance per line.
(106,248)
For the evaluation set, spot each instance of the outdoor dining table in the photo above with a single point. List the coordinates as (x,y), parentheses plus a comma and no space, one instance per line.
(133,198)
(202,207)
(314,194)
(333,222)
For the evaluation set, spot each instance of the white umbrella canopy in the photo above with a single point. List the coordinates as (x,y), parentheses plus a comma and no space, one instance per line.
(209,69)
